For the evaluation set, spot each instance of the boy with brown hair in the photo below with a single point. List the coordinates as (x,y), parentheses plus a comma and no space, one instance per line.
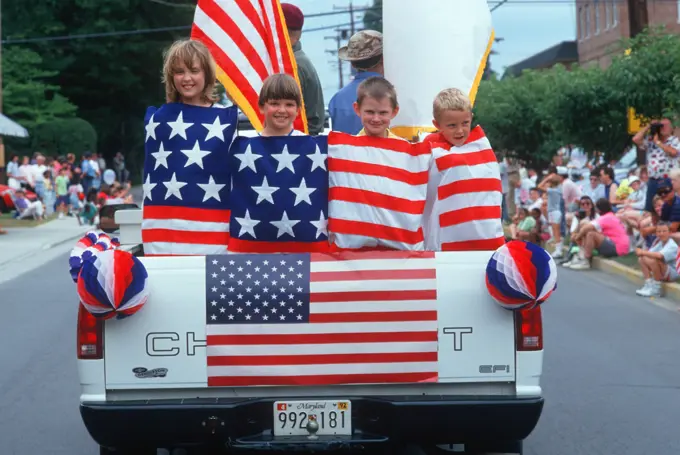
(280,102)
(376,106)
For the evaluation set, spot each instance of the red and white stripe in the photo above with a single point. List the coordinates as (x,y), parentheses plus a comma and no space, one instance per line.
(377,191)
(249,41)
(466,195)
(179,231)
(373,319)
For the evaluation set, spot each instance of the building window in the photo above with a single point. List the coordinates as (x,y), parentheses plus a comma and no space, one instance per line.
(587,24)
(615,13)
(608,14)
(596,6)
(579,23)
(678,11)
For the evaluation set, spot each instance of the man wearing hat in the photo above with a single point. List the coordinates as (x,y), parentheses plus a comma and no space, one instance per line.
(312,93)
(365,52)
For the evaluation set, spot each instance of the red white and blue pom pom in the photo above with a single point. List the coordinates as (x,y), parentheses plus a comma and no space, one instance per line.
(521,275)
(92,243)
(113,284)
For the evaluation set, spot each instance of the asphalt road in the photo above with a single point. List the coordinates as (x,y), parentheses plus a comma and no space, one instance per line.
(611,379)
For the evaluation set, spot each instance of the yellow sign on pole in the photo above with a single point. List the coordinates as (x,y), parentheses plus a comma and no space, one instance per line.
(635,122)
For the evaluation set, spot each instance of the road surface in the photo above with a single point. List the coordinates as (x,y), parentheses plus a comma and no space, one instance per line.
(611,379)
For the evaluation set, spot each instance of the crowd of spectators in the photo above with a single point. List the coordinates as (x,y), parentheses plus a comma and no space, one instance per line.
(579,209)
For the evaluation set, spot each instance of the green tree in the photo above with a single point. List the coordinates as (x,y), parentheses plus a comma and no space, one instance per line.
(589,112)
(112,79)
(373,18)
(649,76)
(515,118)
(28,97)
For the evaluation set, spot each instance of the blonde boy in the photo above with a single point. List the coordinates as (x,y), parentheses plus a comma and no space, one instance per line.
(463,207)
(452,112)
(280,100)
(376,106)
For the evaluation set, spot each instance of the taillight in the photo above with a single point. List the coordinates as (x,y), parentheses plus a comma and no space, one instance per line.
(529,329)
(90,335)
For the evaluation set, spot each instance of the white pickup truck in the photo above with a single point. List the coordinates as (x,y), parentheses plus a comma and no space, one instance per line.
(145,379)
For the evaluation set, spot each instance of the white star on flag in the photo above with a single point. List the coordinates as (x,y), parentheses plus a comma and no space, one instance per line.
(151,129)
(195,155)
(318,159)
(285,226)
(179,128)
(248,159)
(247,225)
(265,192)
(215,129)
(321,226)
(161,157)
(174,187)
(285,159)
(148,186)
(212,189)
(302,193)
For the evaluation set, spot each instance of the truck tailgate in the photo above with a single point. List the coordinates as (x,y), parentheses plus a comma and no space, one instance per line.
(164,345)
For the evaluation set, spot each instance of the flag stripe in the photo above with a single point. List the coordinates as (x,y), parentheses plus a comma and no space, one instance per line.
(274,54)
(183,225)
(371,230)
(321,359)
(159,249)
(322,337)
(367,296)
(328,379)
(469,186)
(255,246)
(340,261)
(186,236)
(355,275)
(469,214)
(383,218)
(376,199)
(474,245)
(379,346)
(169,212)
(304,370)
(381,144)
(399,175)
(249,9)
(465,159)
(393,188)
(325,318)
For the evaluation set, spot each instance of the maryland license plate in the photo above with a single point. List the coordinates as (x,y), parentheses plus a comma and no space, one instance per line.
(333,417)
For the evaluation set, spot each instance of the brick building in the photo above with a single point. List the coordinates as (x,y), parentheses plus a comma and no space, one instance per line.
(600,24)
(564,53)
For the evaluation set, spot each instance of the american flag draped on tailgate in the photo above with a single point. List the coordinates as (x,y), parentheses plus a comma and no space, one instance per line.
(249,41)
(316,319)
(466,193)
(377,191)
(186,179)
(279,195)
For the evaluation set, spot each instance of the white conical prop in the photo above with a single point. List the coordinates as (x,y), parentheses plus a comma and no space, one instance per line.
(430,45)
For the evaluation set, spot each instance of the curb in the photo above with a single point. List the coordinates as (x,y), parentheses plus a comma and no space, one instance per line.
(670,290)
(45,247)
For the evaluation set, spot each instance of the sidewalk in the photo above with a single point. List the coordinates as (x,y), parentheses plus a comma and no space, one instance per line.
(20,243)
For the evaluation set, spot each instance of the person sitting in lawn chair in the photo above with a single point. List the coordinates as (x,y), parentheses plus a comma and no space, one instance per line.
(26,208)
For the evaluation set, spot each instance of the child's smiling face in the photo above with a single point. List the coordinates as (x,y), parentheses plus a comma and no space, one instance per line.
(280,115)
(454,126)
(376,115)
(189,82)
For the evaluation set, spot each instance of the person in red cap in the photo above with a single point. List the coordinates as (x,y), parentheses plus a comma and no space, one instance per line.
(312,93)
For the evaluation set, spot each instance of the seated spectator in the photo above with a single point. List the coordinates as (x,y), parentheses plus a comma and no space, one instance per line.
(523,225)
(607,235)
(26,208)
(633,206)
(658,263)
(594,189)
(584,216)
(670,211)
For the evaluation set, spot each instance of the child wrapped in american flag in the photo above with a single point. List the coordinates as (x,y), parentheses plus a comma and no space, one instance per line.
(463,210)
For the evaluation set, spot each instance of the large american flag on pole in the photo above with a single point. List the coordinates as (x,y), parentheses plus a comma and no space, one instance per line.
(249,41)
(464,197)
(321,318)
(187,179)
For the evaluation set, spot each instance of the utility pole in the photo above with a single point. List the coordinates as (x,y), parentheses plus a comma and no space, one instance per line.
(637,16)
(337,39)
(2,144)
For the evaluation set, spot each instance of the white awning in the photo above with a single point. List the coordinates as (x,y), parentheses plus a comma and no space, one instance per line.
(11,128)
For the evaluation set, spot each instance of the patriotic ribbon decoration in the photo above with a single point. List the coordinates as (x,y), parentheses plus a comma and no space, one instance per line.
(87,247)
(521,275)
(113,284)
